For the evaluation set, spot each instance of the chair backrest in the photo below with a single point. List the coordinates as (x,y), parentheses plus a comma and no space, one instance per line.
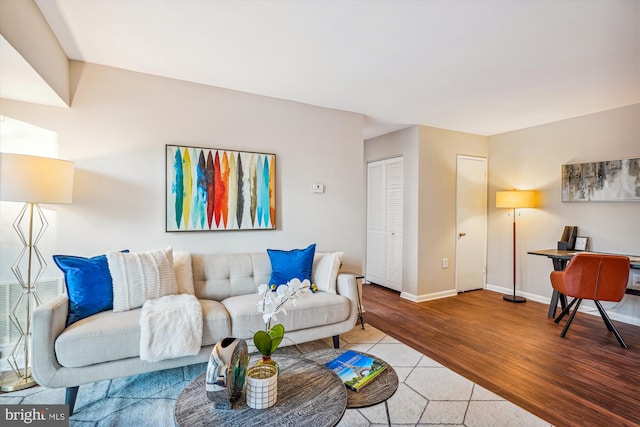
(596,277)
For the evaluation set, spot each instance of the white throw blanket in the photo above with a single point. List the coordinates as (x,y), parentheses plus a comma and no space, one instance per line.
(171,326)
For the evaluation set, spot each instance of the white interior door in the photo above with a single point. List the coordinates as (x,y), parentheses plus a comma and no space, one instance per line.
(375,265)
(394,193)
(385,180)
(471,223)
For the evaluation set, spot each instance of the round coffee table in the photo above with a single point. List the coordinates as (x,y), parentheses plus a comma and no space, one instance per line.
(308,394)
(378,390)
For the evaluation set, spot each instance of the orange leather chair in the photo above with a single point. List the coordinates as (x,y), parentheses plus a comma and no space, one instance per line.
(595,277)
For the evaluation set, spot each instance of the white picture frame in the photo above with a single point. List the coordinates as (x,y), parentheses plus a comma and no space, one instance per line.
(581,243)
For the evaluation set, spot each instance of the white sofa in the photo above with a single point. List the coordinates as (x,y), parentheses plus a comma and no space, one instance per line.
(106,345)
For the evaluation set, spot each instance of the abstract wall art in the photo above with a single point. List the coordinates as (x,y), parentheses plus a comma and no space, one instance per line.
(209,189)
(609,181)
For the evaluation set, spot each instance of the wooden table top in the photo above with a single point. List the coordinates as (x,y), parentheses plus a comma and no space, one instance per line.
(308,394)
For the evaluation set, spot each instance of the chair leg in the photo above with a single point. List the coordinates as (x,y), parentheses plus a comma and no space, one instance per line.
(605,318)
(573,314)
(608,322)
(565,310)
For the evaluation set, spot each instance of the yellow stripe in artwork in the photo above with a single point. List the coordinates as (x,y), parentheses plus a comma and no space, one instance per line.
(272,188)
(188,183)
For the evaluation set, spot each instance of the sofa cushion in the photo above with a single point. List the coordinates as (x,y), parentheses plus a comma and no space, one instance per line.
(293,264)
(100,338)
(109,335)
(139,276)
(325,270)
(311,310)
(88,283)
(217,277)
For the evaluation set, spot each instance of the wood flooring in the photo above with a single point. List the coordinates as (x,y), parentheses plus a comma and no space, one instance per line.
(515,351)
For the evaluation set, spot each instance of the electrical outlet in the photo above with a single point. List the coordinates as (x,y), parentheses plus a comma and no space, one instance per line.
(317,188)
(445,262)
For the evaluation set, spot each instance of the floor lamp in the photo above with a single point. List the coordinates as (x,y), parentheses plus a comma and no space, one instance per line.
(32,180)
(514,200)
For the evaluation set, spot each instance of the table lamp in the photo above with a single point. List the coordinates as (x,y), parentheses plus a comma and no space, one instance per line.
(514,200)
(32,180)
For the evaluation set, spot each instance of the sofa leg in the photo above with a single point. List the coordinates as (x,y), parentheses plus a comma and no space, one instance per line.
(336,341)
(70,399)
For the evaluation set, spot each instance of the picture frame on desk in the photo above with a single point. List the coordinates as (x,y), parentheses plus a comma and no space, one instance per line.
(582,243)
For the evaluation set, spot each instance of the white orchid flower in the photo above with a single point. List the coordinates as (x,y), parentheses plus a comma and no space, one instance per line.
(273,303)
(294,284)
(282,291)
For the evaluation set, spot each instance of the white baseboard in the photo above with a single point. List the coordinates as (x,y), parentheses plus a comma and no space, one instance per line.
(428,297)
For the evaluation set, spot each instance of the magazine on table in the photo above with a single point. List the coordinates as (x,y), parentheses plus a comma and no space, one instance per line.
(355,369)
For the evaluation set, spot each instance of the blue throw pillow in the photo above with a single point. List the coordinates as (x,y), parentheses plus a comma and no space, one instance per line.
(89,285)
(294,264)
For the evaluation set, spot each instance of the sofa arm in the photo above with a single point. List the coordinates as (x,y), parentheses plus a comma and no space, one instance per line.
(48,322)
(347,286)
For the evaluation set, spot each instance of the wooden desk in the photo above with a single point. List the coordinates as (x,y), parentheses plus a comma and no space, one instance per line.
(560,260)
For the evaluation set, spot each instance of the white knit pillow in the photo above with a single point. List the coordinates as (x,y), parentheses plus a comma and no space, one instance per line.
(140,276)
(325,270)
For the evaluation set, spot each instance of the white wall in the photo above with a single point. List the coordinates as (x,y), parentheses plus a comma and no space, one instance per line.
(438,162)
(532,159)
(116,131)
(429,202)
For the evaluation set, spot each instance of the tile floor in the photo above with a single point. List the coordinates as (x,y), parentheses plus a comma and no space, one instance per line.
(428,394)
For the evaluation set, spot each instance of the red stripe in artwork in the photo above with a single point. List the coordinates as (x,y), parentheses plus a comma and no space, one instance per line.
(210,188)
(219,189)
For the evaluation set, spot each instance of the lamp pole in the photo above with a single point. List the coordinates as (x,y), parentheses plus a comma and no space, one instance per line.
(514,297)
(513,200)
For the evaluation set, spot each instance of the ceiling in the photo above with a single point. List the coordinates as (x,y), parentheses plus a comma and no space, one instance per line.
(484,67)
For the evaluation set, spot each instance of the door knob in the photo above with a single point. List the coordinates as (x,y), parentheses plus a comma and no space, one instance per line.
(462,234)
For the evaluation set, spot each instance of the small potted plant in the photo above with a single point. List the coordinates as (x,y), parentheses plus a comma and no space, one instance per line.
(273,302)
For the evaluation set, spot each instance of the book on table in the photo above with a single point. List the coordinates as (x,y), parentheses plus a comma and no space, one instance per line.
(356,369)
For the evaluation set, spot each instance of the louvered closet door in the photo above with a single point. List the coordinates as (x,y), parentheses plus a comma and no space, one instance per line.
(384,223)
(376,240)
(393,218)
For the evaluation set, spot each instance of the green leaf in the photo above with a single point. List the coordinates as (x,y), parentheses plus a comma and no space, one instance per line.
(276,334)
(263,343)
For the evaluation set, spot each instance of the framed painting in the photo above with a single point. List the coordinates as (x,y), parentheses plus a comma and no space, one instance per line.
(211,189)
(582,243)
(609,181)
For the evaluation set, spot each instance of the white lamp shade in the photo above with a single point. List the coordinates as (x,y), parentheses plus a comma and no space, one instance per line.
(515,199)
(34,179)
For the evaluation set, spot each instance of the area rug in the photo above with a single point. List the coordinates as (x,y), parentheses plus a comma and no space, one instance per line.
(428,393)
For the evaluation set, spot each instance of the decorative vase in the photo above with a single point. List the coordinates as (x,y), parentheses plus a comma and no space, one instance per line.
(267,360)
(262,386)
(226,372)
